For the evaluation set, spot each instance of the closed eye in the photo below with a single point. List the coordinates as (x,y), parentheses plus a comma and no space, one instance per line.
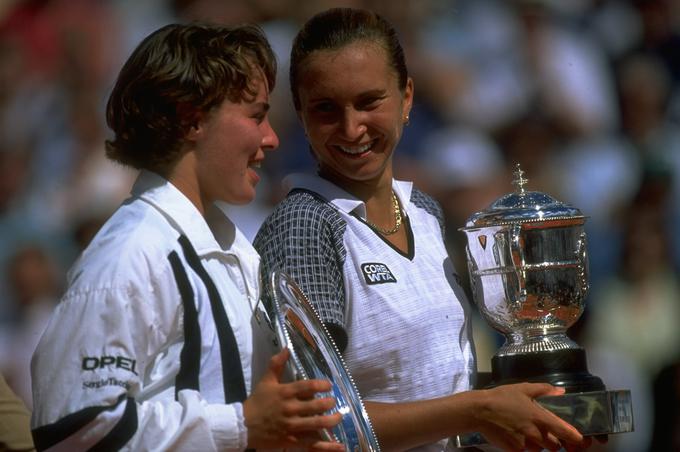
(370,103)
(259,112)
(324,107)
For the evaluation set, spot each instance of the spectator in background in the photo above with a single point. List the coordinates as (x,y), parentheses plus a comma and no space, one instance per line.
(637,310)
(15,432)
(646,92)
(34,280)
(631,328)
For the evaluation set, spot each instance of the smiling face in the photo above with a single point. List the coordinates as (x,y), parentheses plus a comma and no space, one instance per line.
(353,112)
(228,145)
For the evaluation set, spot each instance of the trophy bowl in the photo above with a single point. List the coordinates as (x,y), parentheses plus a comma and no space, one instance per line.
(528,269)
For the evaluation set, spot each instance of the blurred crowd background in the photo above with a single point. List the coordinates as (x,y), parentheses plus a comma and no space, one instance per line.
(584,94)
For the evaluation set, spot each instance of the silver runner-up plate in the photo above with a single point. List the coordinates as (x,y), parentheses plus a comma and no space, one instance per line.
(314,355)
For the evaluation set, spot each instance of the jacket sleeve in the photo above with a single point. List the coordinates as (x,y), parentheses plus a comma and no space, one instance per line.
(102,380)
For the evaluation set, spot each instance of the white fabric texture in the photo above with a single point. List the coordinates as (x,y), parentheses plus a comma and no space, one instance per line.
(123,302)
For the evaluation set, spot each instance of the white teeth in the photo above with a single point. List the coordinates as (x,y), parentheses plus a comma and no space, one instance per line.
(255,165)
(358,150)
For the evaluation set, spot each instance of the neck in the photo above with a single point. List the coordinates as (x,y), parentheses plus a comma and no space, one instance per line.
(183,176)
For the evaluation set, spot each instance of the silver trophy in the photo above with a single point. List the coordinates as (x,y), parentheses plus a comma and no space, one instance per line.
(528,265)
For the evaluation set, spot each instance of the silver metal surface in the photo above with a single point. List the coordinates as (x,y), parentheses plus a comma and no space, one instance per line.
(528,269)
(592,413)
(315,355)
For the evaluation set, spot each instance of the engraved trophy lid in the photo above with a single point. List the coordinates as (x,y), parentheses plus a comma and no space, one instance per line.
(523,206)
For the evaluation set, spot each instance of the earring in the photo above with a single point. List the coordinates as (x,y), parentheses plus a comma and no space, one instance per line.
(407,120)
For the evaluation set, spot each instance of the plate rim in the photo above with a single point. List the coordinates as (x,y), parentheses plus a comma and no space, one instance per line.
(295,364)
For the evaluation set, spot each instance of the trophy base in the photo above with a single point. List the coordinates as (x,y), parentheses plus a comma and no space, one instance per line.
(592,413)
(567,368)
(586,404)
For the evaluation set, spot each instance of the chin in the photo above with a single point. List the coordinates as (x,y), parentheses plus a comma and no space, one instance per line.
(243,201)
(239,199)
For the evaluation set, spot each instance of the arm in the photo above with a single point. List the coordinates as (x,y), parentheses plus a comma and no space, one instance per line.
(304,238)
(507,416)
(91,368)
(94,370)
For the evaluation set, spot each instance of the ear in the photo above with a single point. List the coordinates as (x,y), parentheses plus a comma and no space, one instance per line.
(194,132)
(408,98)
(191,119)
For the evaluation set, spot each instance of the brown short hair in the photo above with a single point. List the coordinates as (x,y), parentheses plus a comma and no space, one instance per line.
(175,74)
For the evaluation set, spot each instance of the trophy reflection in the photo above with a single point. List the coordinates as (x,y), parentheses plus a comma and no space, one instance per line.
(528,265)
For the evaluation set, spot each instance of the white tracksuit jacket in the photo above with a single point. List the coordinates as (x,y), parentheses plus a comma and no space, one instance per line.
(132,358)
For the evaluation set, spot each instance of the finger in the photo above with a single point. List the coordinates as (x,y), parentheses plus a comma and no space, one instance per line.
(583,445)
(549,422)
(543,441)
(288,442)
(551,442)
(540,440)
(309,407)
(531,447)
(310,423)
(506,442)
(559,427)
(313,441)
(321,446)
(306,389)
(534,390)
(277,364)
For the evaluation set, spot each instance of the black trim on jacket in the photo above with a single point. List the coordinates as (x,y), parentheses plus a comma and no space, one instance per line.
(49,435)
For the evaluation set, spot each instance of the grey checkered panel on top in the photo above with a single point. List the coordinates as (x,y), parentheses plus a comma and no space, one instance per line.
(303,237)
(427,203)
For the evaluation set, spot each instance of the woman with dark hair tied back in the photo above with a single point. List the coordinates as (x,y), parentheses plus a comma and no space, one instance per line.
(158,343)
(368,250)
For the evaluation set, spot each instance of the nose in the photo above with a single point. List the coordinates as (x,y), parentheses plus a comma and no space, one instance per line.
(352,125)
(270,140)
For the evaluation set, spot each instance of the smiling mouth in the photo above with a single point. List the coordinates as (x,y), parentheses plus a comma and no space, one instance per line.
(356,150)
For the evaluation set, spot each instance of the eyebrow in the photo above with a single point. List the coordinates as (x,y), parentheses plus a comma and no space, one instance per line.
(374,92)
(370,93)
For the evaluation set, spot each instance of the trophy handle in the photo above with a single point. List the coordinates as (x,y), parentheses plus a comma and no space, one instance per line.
(510,257)
(582,259)
(518,260)
(473,275)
